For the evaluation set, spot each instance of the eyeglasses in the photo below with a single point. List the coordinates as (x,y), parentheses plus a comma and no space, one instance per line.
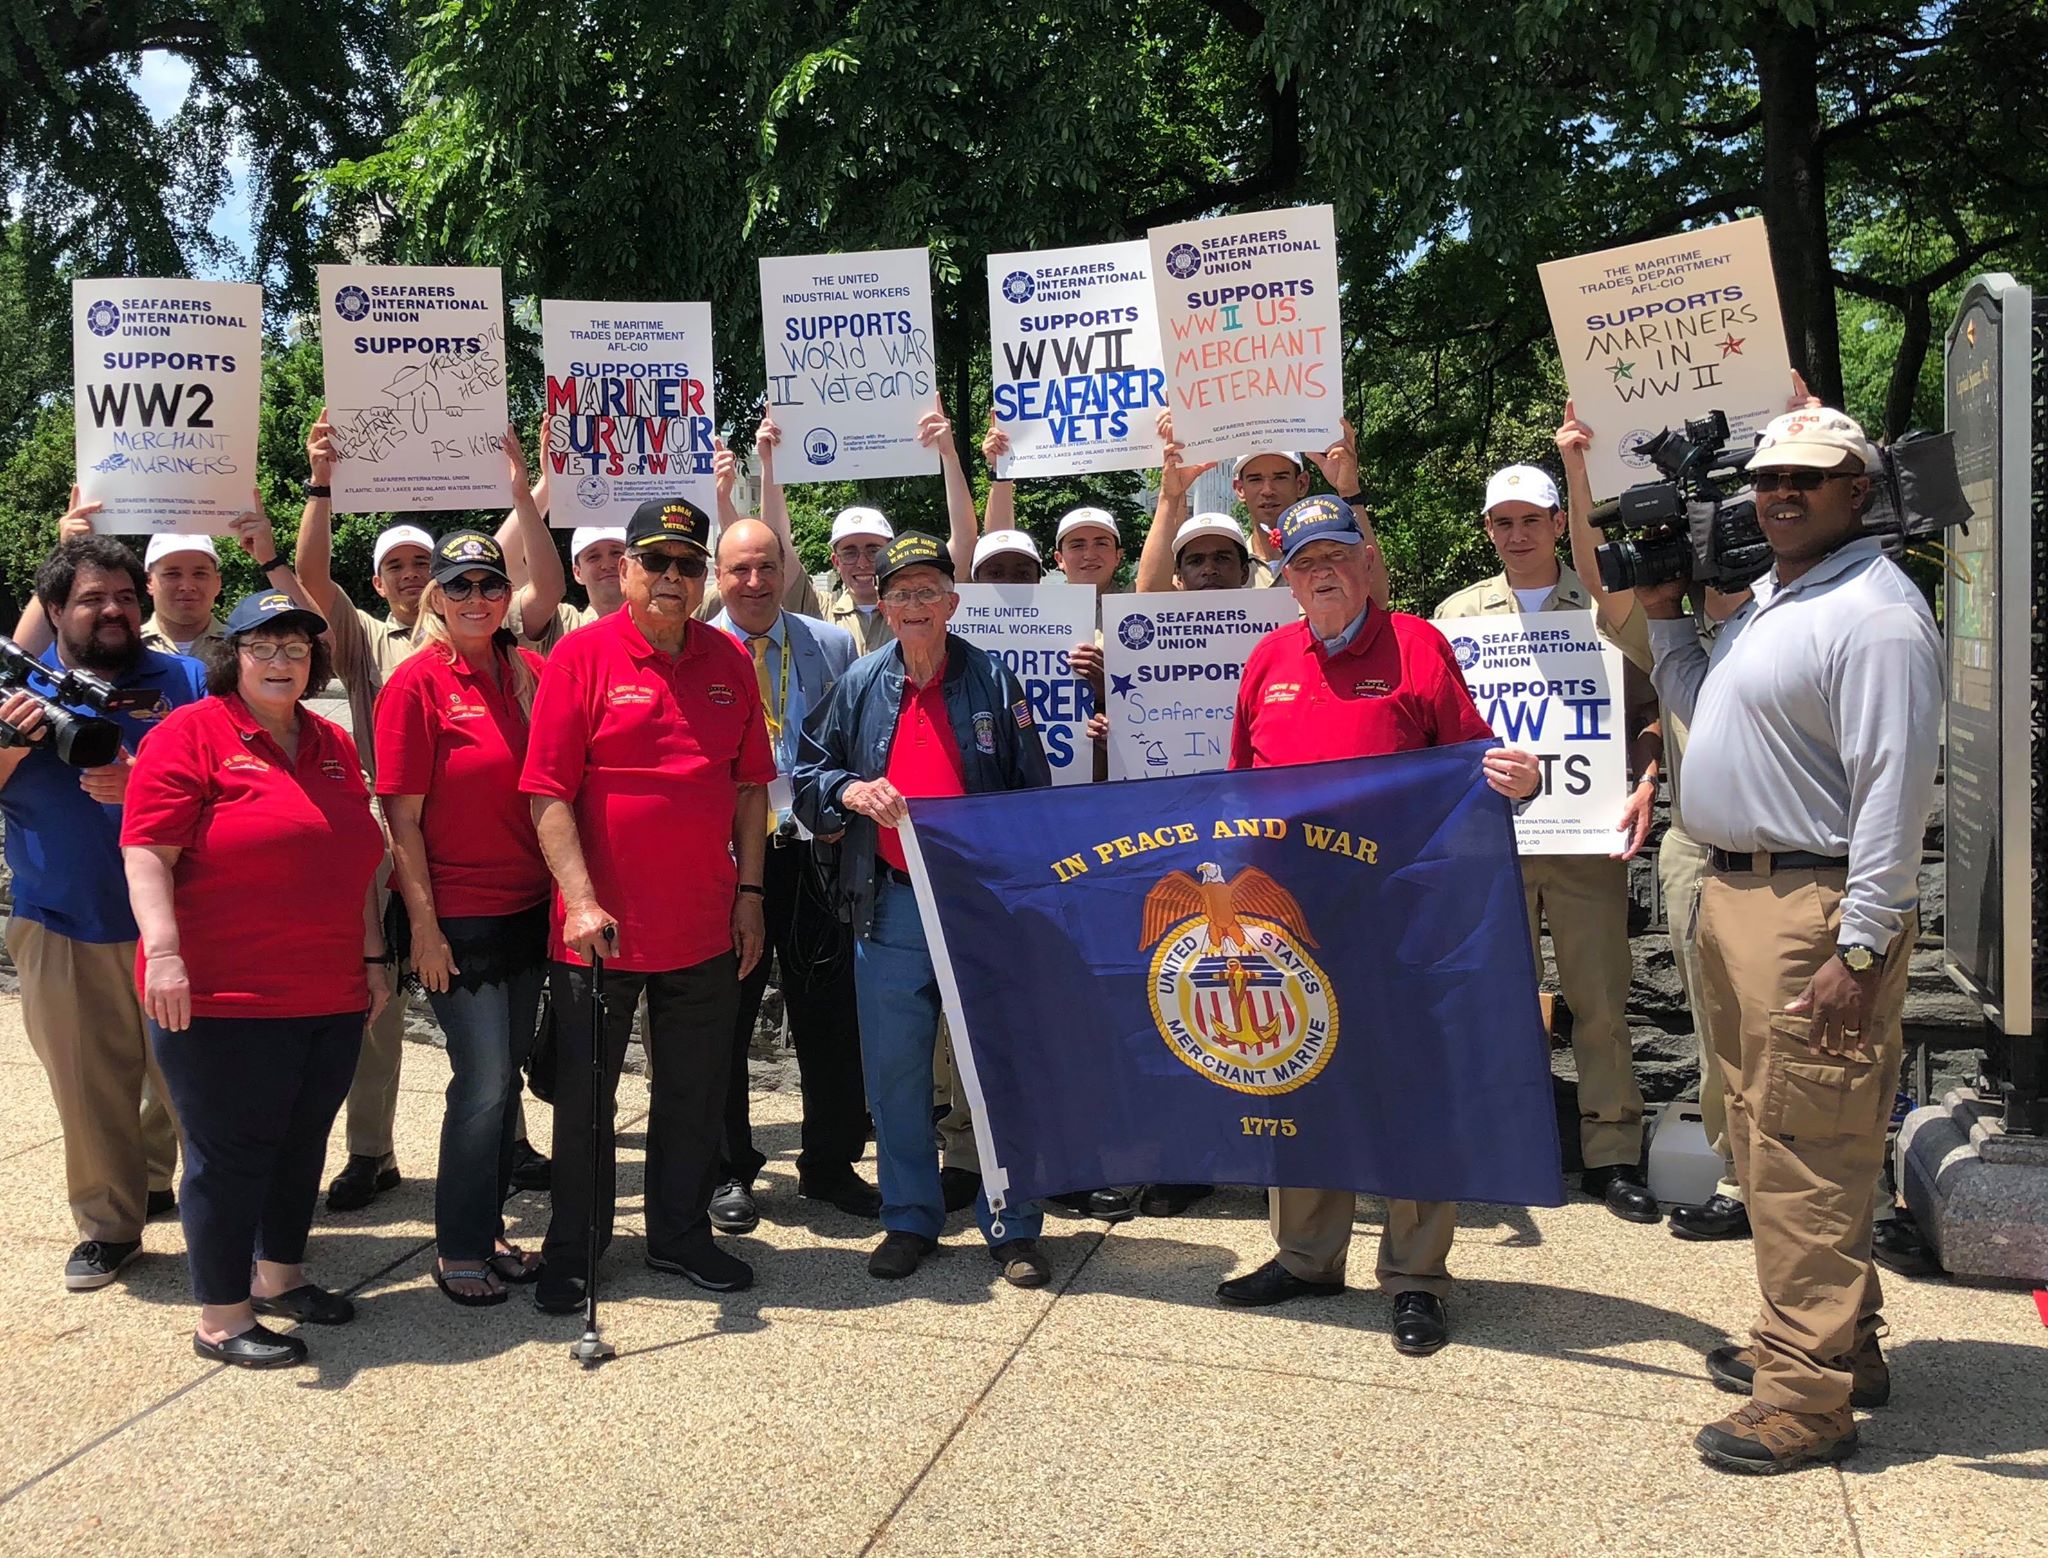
(291,650)
(690,566)
(858,554)
(462,589)
(1797,481)
(923,595)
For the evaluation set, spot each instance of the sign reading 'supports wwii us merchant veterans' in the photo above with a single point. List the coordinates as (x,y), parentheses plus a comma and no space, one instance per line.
(1248,321)
(848,341)
(1074,349)
(415,363)
(169,387)
(1172,663)
(1655,333)
(630,414)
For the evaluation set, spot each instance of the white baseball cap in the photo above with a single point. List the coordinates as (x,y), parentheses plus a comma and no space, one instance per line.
(1237,466)
(1210,524)
(861,522)
(997,542)
(1086,519)
(399,535)
(584,537)
(164,546)
(1815,438)
(1520,484)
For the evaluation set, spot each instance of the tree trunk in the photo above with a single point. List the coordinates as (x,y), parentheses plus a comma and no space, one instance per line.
(1899,395)
(1795,201)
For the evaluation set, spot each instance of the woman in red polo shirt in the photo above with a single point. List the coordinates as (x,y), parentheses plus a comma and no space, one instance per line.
(250,849)
(451,736)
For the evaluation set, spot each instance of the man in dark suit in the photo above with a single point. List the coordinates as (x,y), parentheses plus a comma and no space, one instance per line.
(797,661)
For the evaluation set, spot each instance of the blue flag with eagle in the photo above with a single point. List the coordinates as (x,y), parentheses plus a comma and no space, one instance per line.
(1315,976)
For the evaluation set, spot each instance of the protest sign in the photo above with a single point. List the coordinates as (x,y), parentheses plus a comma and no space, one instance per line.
(415,363)
(169,387)
(1248,321)
(1551,685)
(1654,333)
(1031,628)
(629,407)
(848,342)
(1172,663)
(1074,349)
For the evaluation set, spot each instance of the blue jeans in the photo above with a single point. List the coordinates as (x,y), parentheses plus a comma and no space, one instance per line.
(490,1032)
(898,996)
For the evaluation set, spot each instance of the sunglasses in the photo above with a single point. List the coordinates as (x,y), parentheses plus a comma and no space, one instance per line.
(689,566)
(265,650)
(462,589)
(1796,481)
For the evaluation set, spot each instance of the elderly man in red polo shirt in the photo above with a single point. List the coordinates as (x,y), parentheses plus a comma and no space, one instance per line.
(1353,680)
(648,763)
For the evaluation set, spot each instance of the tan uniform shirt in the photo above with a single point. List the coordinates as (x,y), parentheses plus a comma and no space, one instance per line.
(366,650)
(1493,598)
(156,636)
(799,596)
(567,619)
(870,629)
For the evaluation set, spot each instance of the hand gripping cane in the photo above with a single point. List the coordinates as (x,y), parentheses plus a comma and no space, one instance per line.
(592,1349)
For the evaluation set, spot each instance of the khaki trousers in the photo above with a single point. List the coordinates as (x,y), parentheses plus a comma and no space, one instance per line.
(1585,899)
(1808,1128)
(373,1096)
(85,1024)
(1313,1230)
(956,1125)
(1681,863)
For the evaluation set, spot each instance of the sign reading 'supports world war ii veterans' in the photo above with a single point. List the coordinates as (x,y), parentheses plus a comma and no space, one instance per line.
(848,339)
(1248,322)
(1074,348)
(169,381)
(415,363)
(1551,685)
(1032,628)
(1172,663)
(629,407)
(1657,332)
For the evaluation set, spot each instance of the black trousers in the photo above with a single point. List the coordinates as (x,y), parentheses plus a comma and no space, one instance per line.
(689,1028)
(815,951)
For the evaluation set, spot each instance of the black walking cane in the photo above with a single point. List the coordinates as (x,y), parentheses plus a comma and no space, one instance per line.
(592,1349)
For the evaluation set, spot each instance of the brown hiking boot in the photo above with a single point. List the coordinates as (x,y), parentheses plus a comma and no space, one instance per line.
(1733,1369)
(1759,1440)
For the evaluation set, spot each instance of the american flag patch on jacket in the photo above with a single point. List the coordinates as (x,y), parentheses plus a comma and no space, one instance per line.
(1023,712)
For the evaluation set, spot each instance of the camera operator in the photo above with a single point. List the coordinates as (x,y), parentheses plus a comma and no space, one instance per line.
(1810,779)
(72,936)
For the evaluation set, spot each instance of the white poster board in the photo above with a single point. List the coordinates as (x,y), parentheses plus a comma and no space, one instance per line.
(1654,333)
(630,409)
(415,363)
(1031,628)
(169,390)
(1171,666)
(1074,350)
(1249,324)
(1548,683)
(848,342)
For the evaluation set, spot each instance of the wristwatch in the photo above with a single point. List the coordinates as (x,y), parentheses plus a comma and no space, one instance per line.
(275,562)
(1858,959)
(319,489)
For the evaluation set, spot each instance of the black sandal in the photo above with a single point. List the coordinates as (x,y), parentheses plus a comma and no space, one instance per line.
(520,1274)
(479,1272)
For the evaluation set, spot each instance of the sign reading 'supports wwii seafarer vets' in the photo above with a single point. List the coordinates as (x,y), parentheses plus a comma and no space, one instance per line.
(848,341)
(169,381)
(415,363)
(1654,333)
(1249,325)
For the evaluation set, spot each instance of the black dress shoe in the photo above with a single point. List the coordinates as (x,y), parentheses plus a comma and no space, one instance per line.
(557,1293)
(307,1304)
(708,1267)
(899,1254)
(959,1186)
(160,1203)
(1898,1245)
(360,1182)
(848,1192)
(732,1208)
(1419,1324)
(1111,1206)
(1622,1188)
(1273,1283)
(1717,1217)
(1171,1200)
(255,1348)
(531,1170)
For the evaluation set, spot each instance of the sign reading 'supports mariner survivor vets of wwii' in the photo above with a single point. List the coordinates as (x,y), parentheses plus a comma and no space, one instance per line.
(169,378)
(1074,348)
(1551,685)
(1657,332)
(1248,322)
(629,407)
(1172,663)
(1031,628)
(848,339)
(415,364)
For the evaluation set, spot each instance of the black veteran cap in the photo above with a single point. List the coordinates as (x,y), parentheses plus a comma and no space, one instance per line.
(468,551)
(271,609)
(913,549)
(1320,518)
(670,519)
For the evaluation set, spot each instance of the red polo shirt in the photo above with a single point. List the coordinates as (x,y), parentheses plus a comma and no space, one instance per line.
(1393,688)
(457,737)
(650,749)
(924,757)
(276,859)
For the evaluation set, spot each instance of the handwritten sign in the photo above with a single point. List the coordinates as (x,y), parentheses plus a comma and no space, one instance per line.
(1031,628)
(1074,348)
(415,363)
(630,411)
(848,340)
(169,378)
(1172,663)
(1654,333)
(1248,319)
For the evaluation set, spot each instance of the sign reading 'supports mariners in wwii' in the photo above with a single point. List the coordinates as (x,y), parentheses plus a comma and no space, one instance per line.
(848,338)
(1657,332)
(1032,628)
(415,364)
(169,379)
(1074,348)
(1248,322)
(629,407)
(1172,663)
(1551,685)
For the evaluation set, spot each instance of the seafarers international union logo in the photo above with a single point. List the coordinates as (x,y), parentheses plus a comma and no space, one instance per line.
(1233,988)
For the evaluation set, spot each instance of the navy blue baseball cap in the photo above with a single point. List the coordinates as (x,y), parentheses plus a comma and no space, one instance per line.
(1320,518)
(669,519)
(272,609)
(912,549)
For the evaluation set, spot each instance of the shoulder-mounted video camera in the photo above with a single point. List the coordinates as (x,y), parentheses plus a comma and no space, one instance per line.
(75,707)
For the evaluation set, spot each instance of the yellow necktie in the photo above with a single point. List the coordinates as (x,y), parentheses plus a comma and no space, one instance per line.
(758,643)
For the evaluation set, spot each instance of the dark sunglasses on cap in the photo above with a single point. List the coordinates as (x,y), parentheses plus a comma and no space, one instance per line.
(1797,481)
(690,565)
(462,589)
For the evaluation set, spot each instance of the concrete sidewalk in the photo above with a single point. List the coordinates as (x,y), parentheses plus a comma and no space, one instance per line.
(1120,1411)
